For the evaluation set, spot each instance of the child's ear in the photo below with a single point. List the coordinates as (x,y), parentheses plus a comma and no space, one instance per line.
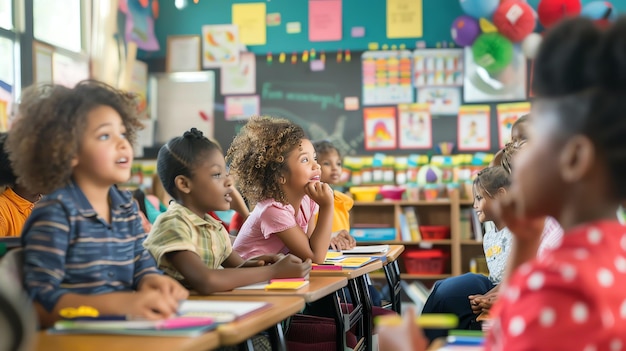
(577,158)
(182,184)
(501,192)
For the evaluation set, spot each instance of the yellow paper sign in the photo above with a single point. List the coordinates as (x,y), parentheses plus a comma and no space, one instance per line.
(404,18)
(251,21)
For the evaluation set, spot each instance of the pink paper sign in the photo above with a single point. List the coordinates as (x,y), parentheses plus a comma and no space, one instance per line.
(325,20)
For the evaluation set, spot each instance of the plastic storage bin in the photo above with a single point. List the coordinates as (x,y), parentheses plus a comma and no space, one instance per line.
(373,234)
(425,262)
(364,193)
(435,232)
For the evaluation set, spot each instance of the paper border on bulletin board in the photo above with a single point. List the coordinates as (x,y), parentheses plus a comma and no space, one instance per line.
(325,20)
(473,128)
(380,128)
(220,45)
(438,68)
(415,130)
(442,101)
(250,18)
(239,79)
(386,78)
(404,19)
(507,115)
(183,53)
(238,108)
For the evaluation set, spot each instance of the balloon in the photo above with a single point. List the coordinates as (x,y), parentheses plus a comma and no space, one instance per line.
(530,45)
(479,8)
(465,30)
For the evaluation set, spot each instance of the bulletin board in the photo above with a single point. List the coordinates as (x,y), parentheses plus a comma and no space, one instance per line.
(315,100)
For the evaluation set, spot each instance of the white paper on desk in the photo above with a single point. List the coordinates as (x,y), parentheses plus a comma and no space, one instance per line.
(220,310)
(260,286)
(370,249)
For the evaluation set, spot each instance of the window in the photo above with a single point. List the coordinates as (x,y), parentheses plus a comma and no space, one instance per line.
(6,14)
(58,23)
(7,67)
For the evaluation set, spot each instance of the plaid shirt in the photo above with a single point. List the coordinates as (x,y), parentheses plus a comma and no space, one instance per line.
(68,248)
(179,229)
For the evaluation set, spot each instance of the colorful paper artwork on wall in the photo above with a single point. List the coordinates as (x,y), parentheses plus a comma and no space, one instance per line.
(442,101)
(241,78)
(220,45)
(414,126)
(241,107)
(438,67)
(507,115)
(325,20)
(386,78)
(473,128)
(250,18)
(380,128)
(140,15)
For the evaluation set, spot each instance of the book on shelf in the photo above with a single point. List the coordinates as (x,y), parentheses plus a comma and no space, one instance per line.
(411,219)
(405,231)
(477,227)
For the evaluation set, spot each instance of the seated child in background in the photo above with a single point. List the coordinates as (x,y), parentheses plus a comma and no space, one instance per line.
(190,245)
(451,295)
(83,241)
(16,202)
(329,159)
(282,178)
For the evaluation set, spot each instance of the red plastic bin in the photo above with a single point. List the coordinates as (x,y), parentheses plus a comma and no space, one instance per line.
(435,232)
(425,261)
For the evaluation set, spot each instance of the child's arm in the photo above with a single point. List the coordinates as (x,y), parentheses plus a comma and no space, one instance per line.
(313,244)
(207,281)
(238,204)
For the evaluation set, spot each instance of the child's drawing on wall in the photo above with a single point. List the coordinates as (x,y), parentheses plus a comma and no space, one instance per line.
(415,127)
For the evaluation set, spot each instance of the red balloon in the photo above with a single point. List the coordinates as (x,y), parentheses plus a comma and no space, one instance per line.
(552,11)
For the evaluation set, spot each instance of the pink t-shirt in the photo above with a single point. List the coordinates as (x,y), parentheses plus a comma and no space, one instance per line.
(269,217)
(571,299)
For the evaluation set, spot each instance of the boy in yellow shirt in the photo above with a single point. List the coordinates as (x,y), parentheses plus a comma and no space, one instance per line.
(16,202)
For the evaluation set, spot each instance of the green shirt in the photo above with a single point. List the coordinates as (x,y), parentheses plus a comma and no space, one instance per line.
(179,229)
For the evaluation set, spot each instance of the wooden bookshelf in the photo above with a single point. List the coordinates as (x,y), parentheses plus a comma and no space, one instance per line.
(437,212)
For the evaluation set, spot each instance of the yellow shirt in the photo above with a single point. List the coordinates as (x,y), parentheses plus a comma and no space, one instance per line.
(14,210)
(341,215)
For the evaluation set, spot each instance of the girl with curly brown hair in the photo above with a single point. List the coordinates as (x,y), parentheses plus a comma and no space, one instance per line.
(277,170)
(83,241)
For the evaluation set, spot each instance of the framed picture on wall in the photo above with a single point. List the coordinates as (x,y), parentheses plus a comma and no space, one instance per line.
(414,126)
(380,128)
(473,128)
(507,115)
(183,53)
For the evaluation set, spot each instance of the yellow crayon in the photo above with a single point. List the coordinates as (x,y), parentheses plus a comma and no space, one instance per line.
(428,321)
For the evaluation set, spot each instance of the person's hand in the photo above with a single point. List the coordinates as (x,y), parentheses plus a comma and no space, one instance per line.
(151,304)
(482,303)
(342,241)
(320,192)
(291,266)
(262,260)
(405,336)
(163,284)
(510,209)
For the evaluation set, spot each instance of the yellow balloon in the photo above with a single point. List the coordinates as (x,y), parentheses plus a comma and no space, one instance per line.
(486,26)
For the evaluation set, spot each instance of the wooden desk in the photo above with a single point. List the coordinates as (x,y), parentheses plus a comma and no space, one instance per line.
(319,286)
(50,342)
(237,332)
(361,301)
(392,275)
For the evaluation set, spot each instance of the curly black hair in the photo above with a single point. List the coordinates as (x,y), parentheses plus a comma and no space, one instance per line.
(7,177)
(580,75)
(51,121)
(180,156)
(258,154)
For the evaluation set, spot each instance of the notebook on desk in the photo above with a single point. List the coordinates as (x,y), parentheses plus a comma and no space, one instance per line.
(369,249)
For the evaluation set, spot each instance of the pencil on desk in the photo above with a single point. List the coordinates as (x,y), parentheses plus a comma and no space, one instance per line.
(427,321)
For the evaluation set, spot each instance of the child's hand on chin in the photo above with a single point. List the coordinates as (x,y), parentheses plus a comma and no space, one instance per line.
(320,192)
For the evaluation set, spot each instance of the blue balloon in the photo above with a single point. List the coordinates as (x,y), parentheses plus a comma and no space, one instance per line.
(598,10)
(480,8)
